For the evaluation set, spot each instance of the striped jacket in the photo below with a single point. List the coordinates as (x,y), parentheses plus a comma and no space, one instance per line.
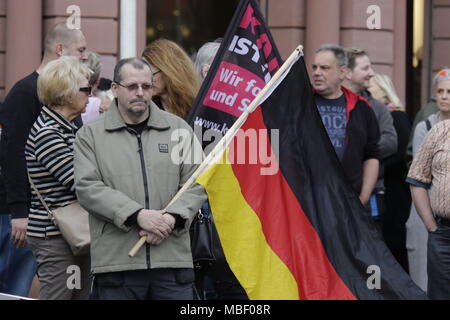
(49,155)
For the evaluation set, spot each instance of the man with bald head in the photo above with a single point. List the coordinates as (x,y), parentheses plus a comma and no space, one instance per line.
(18,113)
(62,41)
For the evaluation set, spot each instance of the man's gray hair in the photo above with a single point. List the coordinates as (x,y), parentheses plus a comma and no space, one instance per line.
(205,56)
(338,51)
(95,65)
(137,63)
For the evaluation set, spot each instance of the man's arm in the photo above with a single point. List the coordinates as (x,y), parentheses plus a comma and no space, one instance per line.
(371,163)
(421,201)
(370,176)
(17,118)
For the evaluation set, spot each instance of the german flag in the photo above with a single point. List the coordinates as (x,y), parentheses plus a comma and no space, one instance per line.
(289,223)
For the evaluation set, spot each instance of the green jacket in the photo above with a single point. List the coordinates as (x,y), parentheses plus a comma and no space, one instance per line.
(118,172)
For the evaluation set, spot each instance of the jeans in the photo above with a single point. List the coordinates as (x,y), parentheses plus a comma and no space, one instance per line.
(17,265)
(439,263)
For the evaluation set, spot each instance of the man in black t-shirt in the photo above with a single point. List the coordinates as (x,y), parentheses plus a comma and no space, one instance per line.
(348,119)
(18,113)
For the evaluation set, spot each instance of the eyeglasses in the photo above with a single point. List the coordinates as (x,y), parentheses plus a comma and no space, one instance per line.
(156,72)
(88,90)
(135,86)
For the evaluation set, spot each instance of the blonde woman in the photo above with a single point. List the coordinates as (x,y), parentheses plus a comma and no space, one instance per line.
(397,193)
(63,89)
(175,80)
(383,89)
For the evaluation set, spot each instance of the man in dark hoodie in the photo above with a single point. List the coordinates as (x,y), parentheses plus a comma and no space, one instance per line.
(350,122)
(17,114)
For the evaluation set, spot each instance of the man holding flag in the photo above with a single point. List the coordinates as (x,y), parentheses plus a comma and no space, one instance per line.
(298,232)
(128,166)
(350,123)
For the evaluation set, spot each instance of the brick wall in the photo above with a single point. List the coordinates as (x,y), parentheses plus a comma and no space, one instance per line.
(287,26)
(289,21)
(99,23)
(441,35)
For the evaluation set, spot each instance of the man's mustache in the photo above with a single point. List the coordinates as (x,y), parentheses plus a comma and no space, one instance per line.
(138,100)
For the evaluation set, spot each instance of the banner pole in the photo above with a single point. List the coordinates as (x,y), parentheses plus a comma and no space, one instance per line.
(222,144)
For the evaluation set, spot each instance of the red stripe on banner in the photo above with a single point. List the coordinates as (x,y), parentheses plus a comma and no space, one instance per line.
(286,227)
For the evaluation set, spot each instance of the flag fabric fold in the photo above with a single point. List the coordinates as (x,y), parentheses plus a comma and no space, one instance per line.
(300,233)
(290,224)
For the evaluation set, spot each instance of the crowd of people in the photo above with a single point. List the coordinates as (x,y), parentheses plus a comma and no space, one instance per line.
(68,134)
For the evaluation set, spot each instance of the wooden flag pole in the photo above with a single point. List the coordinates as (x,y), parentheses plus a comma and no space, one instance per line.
(222,144)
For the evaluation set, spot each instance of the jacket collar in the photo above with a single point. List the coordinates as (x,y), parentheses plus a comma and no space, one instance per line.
(114,121)
(367,96)
(352,99)
(59,119)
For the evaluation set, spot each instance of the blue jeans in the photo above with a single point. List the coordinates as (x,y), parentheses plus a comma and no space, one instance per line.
(438,262)
(17,266)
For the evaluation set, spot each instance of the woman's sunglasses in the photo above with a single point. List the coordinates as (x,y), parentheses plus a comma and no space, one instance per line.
(88,90)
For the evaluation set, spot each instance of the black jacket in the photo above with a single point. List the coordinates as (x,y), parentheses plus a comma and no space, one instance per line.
(18,113)
(362,136)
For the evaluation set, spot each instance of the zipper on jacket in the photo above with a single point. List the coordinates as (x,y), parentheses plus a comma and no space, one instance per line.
(144,175)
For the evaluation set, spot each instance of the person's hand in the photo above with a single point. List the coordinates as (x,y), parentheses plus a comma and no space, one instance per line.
(432,226)
(154,221)
(151,237)
(364,199)
(19,232)
(170,220)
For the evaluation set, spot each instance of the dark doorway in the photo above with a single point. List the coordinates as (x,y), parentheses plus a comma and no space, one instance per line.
(190,23)
(413,66)
(419,55)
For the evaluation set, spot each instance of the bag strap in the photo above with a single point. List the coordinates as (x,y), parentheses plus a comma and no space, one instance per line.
(428,124)
(50,213)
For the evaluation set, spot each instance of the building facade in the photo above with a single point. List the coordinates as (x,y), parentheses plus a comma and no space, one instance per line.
(406,39)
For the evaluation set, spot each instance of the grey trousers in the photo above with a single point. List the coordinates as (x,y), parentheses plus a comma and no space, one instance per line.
(62,276)
(416,246)
(153,284)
